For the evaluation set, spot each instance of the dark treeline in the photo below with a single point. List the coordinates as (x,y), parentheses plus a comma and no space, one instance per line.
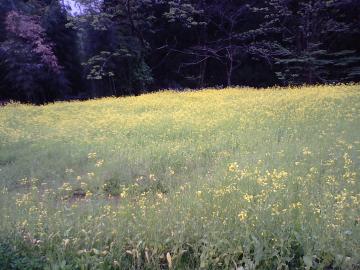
(128,47)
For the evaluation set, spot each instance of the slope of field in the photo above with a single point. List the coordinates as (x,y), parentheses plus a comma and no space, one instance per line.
(214,179)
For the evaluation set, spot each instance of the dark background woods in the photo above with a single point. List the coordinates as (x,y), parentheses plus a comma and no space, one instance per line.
(127,47)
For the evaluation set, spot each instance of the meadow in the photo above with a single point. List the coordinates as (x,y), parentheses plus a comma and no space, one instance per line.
(237,178)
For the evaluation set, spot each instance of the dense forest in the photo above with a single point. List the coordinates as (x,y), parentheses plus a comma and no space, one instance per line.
(128,47)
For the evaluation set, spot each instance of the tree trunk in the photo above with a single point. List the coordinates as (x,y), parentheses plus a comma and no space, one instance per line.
(229,75)
(230,67)
(202,74)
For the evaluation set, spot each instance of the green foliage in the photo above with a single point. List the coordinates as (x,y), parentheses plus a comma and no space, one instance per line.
(184,13)
(22,256)
(97,65)
(303,55)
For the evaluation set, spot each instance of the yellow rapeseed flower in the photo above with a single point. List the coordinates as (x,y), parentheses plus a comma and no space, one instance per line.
(233,167)
(242,215)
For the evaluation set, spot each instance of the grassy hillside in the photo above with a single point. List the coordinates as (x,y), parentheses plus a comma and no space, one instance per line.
(215,179)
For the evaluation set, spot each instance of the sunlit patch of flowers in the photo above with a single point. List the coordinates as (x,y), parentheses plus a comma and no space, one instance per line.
(92,155)
(233,167)
(306,151)
(66,187)
(99,163)
(296,205)
(242,215)
(248,197)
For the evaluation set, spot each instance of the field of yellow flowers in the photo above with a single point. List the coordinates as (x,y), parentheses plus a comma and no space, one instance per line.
(215,179)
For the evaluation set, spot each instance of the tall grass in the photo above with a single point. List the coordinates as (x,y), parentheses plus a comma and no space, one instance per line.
(215,179)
